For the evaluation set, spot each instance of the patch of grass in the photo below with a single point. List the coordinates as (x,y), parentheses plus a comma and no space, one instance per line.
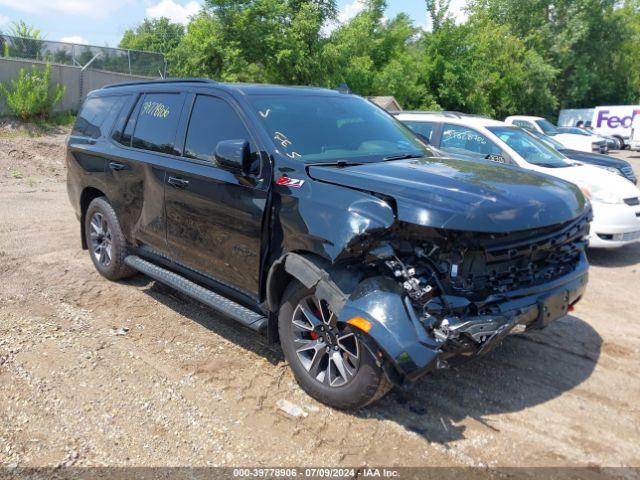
(60,122)
(16,174)
(59,119)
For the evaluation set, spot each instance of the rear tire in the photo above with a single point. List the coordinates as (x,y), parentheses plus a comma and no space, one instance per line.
(320,349)
(105,240)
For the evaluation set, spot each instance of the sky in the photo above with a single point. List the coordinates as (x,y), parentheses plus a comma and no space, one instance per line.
(102,22)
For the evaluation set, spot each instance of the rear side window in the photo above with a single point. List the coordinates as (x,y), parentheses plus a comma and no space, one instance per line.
(212,120)
(157,120)
(460,139)
(91,119)
(423,128)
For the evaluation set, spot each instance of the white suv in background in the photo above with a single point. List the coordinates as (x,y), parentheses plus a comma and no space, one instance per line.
(615,200)
(584,143)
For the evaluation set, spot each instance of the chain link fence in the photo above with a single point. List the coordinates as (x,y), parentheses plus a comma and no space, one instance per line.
(118,60)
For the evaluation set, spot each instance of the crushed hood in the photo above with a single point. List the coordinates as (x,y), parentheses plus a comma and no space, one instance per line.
(461,194)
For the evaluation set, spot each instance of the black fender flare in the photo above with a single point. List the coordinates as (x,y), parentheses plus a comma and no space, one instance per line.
(88,194)
(332,282)
(395,328)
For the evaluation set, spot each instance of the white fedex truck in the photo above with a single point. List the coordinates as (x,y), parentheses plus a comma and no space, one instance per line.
(605,120)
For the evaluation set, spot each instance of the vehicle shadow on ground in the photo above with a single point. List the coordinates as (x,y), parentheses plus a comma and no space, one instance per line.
(208,318)
(617,257)
(526,370)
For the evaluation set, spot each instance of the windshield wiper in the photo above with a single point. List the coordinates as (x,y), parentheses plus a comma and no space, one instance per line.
(403,156)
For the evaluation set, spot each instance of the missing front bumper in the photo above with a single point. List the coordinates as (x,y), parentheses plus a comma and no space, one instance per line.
(414,349)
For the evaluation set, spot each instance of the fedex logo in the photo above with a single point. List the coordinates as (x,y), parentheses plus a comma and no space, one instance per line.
(614,121)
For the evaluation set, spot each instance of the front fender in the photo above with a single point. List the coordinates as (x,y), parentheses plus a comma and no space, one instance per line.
(394,326)
(326,219)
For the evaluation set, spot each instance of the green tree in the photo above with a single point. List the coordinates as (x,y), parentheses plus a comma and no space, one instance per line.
(203,52)
(27,40)
(480,67)
(375,56)
(438,11)
(153,35)
(276,40)
(586,41)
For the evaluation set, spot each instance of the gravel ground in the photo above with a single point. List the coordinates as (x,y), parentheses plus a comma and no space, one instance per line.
(131,373)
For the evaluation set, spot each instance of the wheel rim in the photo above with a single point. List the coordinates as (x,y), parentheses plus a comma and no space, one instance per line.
(328,352)
(101,239)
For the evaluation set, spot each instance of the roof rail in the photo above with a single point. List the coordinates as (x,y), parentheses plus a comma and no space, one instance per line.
(444,113)
(462,114)
(430,112)
(161,81)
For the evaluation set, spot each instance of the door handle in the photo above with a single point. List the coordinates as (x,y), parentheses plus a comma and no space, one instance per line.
(178,182)
(117,166)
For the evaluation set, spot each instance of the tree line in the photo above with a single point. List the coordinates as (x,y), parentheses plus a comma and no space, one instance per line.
(508,56)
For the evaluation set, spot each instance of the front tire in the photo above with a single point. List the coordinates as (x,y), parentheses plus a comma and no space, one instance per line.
(331,361)
(105,240)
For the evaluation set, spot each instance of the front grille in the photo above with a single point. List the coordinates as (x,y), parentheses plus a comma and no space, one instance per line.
(633,201)
(522,260)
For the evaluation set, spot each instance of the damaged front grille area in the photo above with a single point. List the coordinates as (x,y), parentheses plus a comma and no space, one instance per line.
(459,282)
(524,259)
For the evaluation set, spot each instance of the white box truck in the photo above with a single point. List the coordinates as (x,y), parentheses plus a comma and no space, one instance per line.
(605,120)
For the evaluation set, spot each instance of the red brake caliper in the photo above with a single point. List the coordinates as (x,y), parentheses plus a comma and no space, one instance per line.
(314,335)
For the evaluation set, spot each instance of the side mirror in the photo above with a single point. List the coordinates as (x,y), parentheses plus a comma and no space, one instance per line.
(235,155)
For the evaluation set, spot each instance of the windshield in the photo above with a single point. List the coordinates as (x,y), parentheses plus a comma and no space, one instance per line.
(547,127)
(548,140)
(322,128)
(531,149)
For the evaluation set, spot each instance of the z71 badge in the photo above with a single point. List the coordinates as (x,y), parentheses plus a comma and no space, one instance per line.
(289,182)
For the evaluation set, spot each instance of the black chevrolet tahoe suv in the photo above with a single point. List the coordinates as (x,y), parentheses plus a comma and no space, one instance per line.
(318,220)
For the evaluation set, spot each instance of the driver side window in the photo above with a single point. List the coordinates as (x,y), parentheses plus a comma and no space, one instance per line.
(464,140)
(212,120)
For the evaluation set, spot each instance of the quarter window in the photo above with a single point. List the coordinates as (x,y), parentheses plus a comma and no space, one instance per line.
(212,120)
(460,139)
(157,121)
(94,113)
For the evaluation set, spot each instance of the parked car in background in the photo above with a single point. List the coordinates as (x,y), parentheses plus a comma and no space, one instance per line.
(316,218)
(607,162)
(610,142)
(569,140)
(616,201)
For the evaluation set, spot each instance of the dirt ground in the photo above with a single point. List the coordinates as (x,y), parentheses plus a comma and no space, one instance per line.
(184,387)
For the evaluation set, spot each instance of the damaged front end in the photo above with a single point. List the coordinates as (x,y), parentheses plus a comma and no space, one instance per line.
(433,295)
